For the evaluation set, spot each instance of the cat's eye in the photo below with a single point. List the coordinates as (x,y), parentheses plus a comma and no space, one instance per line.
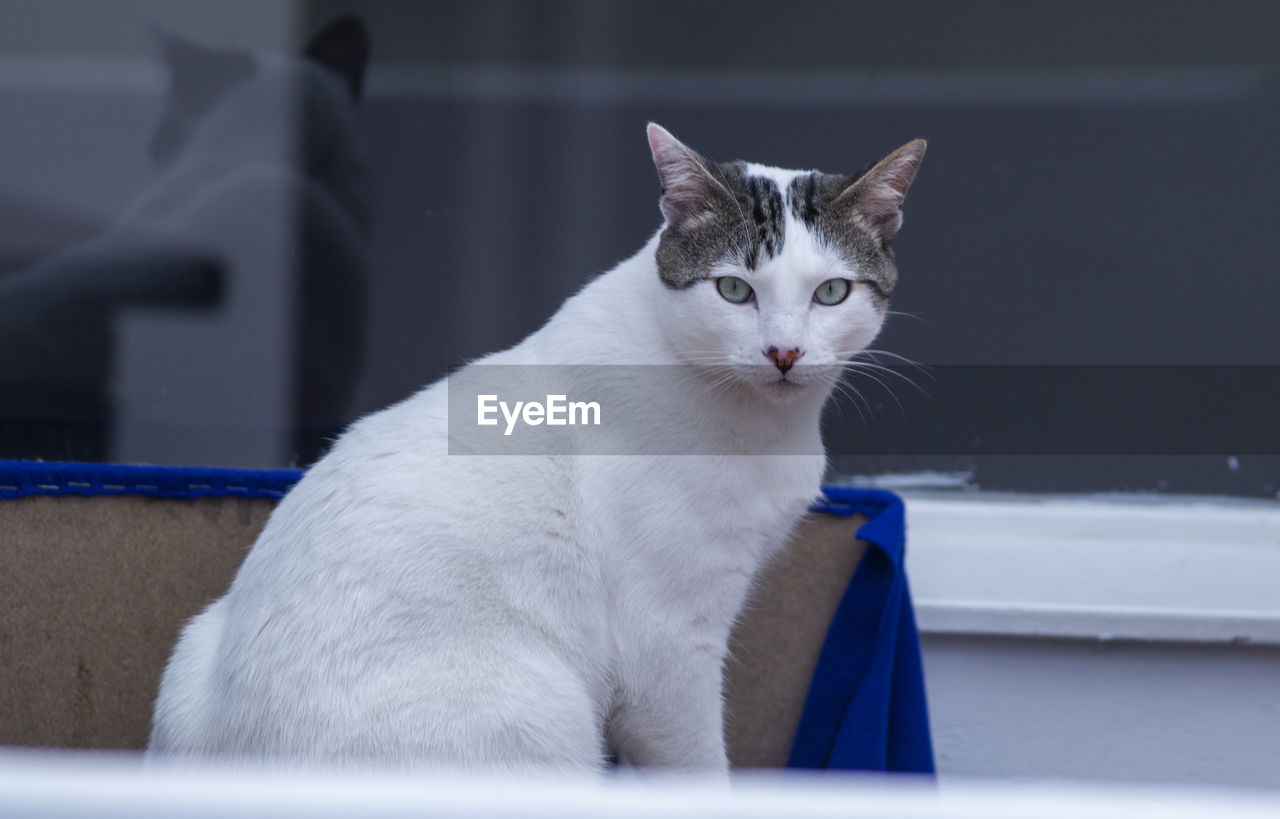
(832,291)
(733,289)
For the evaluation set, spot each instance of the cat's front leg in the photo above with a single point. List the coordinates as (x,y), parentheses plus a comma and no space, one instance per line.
(669,711)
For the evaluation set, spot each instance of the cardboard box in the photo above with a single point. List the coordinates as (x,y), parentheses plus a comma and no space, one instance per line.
(93,591)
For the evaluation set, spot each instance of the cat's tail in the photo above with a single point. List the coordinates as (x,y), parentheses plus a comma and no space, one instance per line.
(180,724)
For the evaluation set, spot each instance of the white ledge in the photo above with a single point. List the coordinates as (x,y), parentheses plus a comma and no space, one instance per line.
(1094,623)
(1106,568)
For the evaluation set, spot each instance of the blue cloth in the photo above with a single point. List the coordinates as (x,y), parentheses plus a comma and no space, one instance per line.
(866,708)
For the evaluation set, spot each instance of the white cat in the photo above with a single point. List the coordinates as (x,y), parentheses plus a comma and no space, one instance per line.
(408,607)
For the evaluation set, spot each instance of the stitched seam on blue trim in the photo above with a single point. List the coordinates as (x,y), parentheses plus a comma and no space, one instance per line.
(202,489)
(35,478)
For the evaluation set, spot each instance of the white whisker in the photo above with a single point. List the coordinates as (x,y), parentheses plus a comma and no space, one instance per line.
(856,399)
(908,315)
(870,367)
(909,362)
(886,388)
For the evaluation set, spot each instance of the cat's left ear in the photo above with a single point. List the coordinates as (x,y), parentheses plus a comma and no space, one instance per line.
(877,196)
(343,48)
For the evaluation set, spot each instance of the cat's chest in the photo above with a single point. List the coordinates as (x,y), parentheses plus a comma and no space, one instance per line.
(682,550)
(711,510)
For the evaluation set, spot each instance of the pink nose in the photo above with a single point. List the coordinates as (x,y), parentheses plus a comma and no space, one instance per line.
(783,359)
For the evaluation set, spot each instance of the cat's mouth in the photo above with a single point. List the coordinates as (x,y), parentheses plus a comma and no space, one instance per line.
(785,390)
(782,386)
(796,381)
(790,383)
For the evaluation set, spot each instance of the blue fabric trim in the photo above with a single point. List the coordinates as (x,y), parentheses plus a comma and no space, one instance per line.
(22,478)
(866,708)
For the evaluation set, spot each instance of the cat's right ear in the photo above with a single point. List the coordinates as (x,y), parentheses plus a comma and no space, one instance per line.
(686,182)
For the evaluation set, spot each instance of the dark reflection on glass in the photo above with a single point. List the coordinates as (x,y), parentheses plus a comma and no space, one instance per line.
(1099,191)
(221,316)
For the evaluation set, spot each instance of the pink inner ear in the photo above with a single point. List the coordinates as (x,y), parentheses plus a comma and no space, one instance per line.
(683,185)
(881,192)
(666,149)
(879,204)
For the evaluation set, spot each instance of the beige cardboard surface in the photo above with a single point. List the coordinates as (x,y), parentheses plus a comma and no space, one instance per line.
(777,641)
(94,590)
(92,593)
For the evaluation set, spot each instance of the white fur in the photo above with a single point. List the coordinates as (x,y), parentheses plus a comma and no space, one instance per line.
(406,607)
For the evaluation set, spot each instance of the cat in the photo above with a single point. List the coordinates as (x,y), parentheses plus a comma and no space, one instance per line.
(260,196)
(407,607)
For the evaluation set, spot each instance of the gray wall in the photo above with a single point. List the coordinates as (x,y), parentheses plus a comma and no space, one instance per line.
(1171,713)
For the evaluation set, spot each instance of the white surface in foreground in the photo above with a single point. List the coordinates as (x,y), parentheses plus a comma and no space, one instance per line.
(78,785)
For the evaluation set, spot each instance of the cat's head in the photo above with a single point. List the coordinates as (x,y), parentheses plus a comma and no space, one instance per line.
(776,278)
(237,107)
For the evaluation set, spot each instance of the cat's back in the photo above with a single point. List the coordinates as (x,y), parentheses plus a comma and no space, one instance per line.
(392,505)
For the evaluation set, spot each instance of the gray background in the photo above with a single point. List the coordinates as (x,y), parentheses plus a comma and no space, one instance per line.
(1099,187)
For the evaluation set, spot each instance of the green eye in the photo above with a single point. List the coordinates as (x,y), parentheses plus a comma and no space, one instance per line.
(832,291)
(733,289)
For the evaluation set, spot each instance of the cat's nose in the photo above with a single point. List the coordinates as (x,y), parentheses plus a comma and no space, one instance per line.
(783,359)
